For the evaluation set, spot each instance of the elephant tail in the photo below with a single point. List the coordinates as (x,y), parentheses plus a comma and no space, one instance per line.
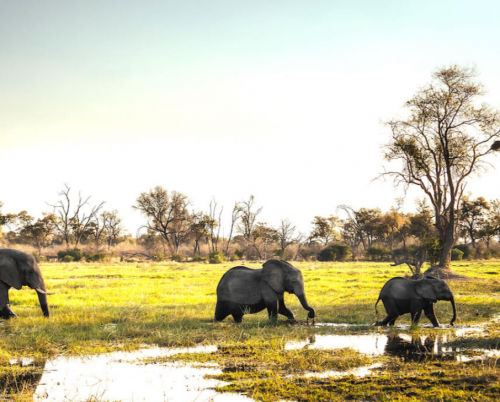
(376,312)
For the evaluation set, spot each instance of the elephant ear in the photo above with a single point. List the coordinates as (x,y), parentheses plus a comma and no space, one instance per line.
(9,272)
(272,273)
(425,289)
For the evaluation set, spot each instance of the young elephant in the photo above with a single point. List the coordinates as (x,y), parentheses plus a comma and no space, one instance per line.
(402,295)
(243,290)
(18,269)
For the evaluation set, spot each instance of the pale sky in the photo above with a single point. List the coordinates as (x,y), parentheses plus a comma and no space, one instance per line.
(281,99)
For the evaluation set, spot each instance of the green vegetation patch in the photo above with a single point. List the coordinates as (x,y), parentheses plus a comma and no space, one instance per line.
(270,358)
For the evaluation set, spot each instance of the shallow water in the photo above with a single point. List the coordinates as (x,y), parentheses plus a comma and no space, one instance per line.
(117,376)
(121,376)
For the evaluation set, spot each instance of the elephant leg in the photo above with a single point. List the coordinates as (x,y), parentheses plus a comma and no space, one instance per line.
(283,310)
(431,315)
(5,310)
(392,314)
(415,316)
(272,310)
(221,311)
(237,318)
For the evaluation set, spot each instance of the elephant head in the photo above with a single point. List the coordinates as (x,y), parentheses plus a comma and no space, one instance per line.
(18,269)
(284,277)
(433,289)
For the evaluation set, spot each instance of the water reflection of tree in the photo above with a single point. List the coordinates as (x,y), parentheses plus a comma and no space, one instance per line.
(23,379)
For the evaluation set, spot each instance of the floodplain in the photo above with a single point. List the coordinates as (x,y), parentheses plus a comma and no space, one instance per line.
(119,331)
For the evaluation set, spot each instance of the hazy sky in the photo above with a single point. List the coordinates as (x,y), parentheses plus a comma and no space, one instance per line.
(279,99)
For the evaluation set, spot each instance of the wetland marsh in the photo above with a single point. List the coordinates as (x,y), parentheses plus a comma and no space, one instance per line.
(129,324)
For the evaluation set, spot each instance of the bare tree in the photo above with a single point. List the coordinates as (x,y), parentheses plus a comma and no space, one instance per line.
(74,223)
(442,143)
(235,216)
(248,217)
(285,235)
(112,226)
(214,225)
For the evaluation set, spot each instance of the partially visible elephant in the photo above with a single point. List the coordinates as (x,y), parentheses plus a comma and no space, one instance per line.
(246,291)
(18,269)
(403,295)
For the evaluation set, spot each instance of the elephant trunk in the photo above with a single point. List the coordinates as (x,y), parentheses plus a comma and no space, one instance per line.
(42,297)
(452,300)
(303,301)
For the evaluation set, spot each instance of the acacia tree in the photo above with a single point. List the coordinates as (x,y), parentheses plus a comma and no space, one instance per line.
(324,229)
(167,215)
(442,143)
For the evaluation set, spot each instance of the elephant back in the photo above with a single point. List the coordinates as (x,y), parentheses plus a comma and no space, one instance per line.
(240,285)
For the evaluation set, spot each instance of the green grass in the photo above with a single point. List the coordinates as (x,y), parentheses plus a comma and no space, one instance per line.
(104,307)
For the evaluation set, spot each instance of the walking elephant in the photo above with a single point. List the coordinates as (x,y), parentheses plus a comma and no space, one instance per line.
(403,295)
(246,291)
(18,269)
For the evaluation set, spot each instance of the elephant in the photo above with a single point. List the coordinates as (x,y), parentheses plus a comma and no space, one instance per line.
(243,290)
(18,269)
(403,295)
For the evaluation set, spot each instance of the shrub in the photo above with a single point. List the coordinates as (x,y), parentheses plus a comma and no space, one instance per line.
(216,257)
(198,258)
(68,258)
(76,254)
(378,253)
(335,252)
(456,254)
(178,257)
(96,257)
(36,256)
(468,251)
(239,253)
(158,256)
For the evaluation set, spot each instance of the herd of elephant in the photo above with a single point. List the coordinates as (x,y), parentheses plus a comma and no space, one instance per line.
(243,290)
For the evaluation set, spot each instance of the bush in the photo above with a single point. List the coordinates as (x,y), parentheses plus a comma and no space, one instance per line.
(178,257)
(198,258)
(468,251)
(158,256)
(239,253)
(68,258)
(456,254)
(76,254)
(335,252)
(378,253)
(96,257)
(216,257)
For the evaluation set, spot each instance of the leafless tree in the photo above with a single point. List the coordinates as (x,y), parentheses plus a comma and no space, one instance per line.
(285,235)
(214,225)
(74,223)
(234,221)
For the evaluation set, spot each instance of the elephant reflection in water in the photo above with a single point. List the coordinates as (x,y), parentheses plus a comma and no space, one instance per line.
(417,349)
(25,383)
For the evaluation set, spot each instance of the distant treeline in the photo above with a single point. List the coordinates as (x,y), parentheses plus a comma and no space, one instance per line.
(172,231)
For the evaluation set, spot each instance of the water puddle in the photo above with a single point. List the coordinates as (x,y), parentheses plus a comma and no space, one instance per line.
(117,376)
(406,346)
(356,372)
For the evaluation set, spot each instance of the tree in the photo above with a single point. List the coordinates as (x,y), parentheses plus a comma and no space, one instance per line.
(442,143)
(167,215)
(324,229)
(491,224)
(199,229)
(5,219)
(285,237)
(112,226)
(262,237)
(74,224)
(39,233)
(235,216)
(472,217)
(363,222)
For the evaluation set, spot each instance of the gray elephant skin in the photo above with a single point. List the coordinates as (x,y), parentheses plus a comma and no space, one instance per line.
(403,295)
(18,269)
(244,290)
